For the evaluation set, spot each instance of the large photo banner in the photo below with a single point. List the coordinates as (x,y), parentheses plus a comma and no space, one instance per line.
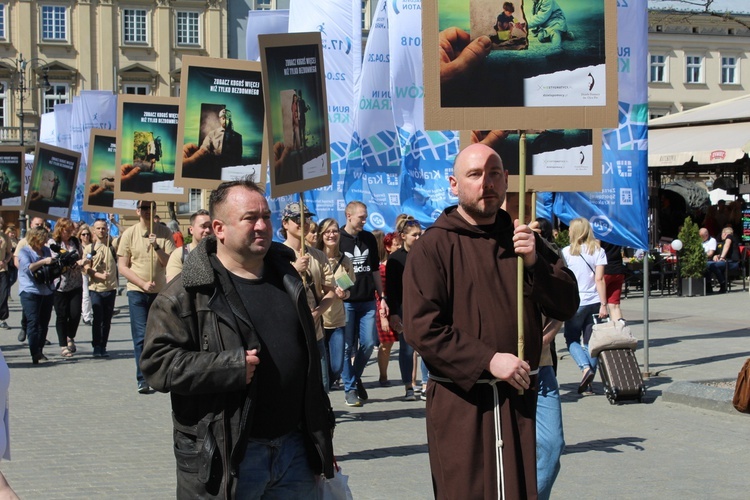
(525,64)
(618,212)
(221,128)
(99,194)
(147,148)
(295,94)
(53,182)
(11,178)
(339,23)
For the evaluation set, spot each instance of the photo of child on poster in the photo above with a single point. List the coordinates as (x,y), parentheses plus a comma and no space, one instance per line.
(526,53)
(53,182)
(295,96)
(11,175)
(147,145)
(222,130)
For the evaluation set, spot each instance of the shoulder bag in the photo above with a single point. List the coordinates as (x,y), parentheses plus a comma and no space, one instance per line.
(741,399)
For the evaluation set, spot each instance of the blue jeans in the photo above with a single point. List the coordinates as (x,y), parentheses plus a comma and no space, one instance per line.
(38,311)
(719,269)
(550,440)
(276,469)
(139,303)
(405,360)
(359,330)
(103,306)
(574,329)
(335,346)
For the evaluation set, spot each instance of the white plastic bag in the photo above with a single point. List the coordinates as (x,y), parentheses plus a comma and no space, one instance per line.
(336,488)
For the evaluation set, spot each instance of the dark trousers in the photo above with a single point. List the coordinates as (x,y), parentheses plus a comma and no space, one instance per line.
(38,310)
(68,310)
(4,294)
(103,305)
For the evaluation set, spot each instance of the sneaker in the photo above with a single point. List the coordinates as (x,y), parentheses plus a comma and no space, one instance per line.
(115,311)
(361,392)
(410,396)
(351,399)
(87,322)
(97,352)
(143,388)
(22,336)
(4,325)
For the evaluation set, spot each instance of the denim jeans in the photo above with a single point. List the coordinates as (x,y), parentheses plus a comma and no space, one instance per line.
(67,314)
(405,360)
(719,269)
(38,311)
(550,440)
(139,303)
(574,329)
(335,347)
(103,305)
(276,469)
(360,331)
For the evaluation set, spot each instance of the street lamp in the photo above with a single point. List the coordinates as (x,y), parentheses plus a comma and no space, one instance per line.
(22,72)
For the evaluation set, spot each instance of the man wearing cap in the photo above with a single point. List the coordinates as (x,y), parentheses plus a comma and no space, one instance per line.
(142,259)
(316,272)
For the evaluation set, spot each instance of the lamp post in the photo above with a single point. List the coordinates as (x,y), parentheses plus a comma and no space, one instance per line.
(19,85)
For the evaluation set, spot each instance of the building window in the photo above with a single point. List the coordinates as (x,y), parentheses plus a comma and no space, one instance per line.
(188,28)
(194,203)
(59,93)
(54,23)
(657,113)
(3,104)
(729,70)
(263,4)
(694,69)
(2,22)
(134,89)
(658,70)
(135,26)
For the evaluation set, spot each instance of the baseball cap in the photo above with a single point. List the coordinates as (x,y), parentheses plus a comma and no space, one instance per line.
(293,210)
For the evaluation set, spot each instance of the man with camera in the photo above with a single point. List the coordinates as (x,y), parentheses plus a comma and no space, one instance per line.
(142,257)
(101,268)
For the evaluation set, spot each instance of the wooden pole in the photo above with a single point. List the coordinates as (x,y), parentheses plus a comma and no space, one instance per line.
(521,220)
(151,231)
(302,246)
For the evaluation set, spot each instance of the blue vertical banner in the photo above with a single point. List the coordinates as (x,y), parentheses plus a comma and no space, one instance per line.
(374,156)
(426,156)
(619,212)
(340,25)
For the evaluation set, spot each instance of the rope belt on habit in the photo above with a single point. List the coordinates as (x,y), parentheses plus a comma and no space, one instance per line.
(499,469)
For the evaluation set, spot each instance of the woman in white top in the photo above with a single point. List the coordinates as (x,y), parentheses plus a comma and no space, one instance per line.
(586,259)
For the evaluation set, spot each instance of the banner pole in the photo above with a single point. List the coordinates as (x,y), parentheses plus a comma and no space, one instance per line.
(302,246)
(151,231)
(521,218)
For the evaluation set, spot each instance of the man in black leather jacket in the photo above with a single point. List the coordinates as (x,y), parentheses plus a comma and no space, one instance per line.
(232,339)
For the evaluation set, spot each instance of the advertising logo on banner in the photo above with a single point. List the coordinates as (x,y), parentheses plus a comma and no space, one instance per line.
(99,194)
(295,93)
(147,148)
(618,213)
(426,156)
(220,132)
(374,157)
(11,178)
(532,65)
(53,182)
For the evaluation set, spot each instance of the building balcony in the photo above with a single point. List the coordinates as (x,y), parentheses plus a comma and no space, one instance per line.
(11,136)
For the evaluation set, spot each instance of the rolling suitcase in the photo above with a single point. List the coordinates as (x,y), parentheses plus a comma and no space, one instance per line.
(621,375)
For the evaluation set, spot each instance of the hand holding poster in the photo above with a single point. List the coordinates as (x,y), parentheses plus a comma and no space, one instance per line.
(147,148)
(11,177)
(220,132)
(294,85)
(53,182)
(99,192)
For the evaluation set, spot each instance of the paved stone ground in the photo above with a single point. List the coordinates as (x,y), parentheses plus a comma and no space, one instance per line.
(80,430)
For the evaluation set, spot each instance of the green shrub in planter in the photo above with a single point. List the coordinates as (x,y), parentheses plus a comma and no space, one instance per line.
(692,256)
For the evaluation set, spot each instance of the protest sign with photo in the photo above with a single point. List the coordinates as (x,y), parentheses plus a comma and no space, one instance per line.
(11,177)
(53,182)
(99,195)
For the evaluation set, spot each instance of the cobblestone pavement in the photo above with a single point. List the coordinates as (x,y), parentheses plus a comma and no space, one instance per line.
(80,430)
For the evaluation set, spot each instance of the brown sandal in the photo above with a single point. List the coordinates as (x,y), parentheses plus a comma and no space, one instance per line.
(65,352)
(72,345)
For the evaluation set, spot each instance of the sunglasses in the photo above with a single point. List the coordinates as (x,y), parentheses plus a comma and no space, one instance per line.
(85,234)
(297,218)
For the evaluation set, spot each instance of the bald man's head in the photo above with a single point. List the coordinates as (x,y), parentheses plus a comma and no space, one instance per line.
(480,183)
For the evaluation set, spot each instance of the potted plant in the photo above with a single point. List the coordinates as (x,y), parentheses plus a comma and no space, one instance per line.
(692,263)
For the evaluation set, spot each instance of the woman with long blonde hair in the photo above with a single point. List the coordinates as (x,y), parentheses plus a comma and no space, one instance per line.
(586,258)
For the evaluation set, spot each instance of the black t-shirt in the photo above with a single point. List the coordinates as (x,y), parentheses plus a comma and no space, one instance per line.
(282,371)
(362,250)
(614,258)
(734,250)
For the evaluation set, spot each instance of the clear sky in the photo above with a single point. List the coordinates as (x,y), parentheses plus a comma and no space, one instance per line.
(736,6)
